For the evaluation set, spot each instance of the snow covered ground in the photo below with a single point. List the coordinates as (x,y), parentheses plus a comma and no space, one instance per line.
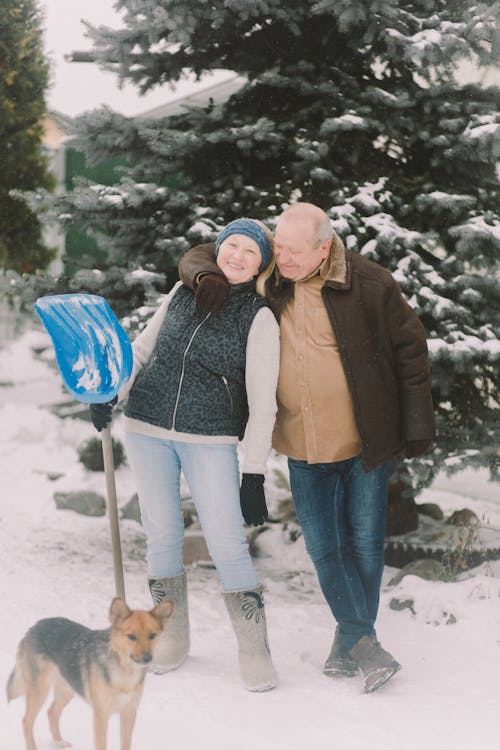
(59,563)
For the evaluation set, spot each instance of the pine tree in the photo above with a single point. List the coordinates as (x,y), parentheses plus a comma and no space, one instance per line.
(23,82)
(353,105)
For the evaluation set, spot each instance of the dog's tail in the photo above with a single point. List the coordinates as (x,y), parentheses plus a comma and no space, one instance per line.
(15,684)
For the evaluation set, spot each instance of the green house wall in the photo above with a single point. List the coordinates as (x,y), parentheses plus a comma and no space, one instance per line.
(79,248)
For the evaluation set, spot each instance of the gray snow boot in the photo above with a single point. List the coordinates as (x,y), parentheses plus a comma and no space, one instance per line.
(340,663)
(246,611)
(173,645)
(376,664)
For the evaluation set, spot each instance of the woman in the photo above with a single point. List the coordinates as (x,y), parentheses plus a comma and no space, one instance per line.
(200,381)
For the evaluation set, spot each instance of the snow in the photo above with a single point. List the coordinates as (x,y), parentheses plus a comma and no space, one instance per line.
(344,123)
(481,131)
(203,230)
(57,562)
(464,348)
(425,38)
(441,305)
(476,229)
(90,380)
(388,229)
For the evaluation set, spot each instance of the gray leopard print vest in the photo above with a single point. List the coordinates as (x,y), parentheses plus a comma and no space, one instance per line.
(194,381)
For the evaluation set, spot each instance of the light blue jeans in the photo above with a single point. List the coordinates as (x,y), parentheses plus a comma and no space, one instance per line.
(212,474)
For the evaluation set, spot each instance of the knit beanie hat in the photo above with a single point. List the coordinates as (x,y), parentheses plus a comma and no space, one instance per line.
(251,229)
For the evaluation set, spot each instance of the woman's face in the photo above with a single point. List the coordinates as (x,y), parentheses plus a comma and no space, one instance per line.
(239,258)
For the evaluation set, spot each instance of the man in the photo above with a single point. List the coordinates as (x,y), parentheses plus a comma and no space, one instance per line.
(353,391)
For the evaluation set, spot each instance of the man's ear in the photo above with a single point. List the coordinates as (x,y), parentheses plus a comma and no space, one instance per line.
(326,246)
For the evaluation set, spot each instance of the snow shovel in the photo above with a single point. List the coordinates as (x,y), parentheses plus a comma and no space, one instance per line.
(94,357)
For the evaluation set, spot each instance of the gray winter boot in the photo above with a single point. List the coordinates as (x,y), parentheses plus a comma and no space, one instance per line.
(340,663)
(246,611)
(377,665)
(173,645)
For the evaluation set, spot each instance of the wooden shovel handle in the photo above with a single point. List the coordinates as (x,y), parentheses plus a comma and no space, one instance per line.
(109,470)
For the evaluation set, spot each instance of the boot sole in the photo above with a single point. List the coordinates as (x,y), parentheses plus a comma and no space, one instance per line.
(261,688)
(338,672)
(164,668)
(381,677)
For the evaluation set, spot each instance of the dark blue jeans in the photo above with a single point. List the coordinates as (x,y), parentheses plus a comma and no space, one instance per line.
(342,511)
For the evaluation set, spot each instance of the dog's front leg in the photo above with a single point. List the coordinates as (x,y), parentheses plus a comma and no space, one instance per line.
(100,729)
(127,722)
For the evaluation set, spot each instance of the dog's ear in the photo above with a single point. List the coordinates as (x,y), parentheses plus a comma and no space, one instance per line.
(163,611)
(118,611)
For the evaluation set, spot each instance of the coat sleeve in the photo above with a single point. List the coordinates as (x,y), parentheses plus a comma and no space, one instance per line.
(196,261)
(412,371)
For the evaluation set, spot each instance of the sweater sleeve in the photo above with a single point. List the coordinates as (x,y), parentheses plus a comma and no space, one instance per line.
(262,367)
(144,343)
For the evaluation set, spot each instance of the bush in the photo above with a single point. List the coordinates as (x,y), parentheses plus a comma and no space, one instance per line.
(90,454)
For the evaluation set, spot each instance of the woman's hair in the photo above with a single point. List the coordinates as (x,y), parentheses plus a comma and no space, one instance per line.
(268,270)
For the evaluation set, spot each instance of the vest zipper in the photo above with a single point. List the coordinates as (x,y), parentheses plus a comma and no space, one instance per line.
(226,386)
(183,366)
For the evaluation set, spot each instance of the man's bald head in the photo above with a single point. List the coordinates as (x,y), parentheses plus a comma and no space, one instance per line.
(308,213)
(303,238)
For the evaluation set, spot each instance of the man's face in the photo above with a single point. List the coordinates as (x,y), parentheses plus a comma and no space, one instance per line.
(297,253)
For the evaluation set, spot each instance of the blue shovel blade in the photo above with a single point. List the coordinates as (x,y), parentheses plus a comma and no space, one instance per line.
(93,352)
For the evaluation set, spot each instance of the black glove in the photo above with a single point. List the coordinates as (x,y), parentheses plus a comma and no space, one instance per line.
(414,448)
(212,292)
(100,414)
(253,500)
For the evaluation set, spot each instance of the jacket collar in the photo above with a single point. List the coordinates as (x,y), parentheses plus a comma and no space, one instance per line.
(335,272)
(336,268)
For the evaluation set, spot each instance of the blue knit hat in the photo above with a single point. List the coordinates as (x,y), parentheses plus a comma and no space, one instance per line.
(251,229)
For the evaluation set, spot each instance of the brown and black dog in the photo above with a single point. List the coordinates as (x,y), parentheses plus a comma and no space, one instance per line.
(106,667)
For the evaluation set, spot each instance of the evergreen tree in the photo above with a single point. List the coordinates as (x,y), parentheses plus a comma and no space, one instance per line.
(23,82)
(351,104)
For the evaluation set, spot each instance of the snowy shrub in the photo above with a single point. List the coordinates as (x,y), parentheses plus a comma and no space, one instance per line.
(90,454)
